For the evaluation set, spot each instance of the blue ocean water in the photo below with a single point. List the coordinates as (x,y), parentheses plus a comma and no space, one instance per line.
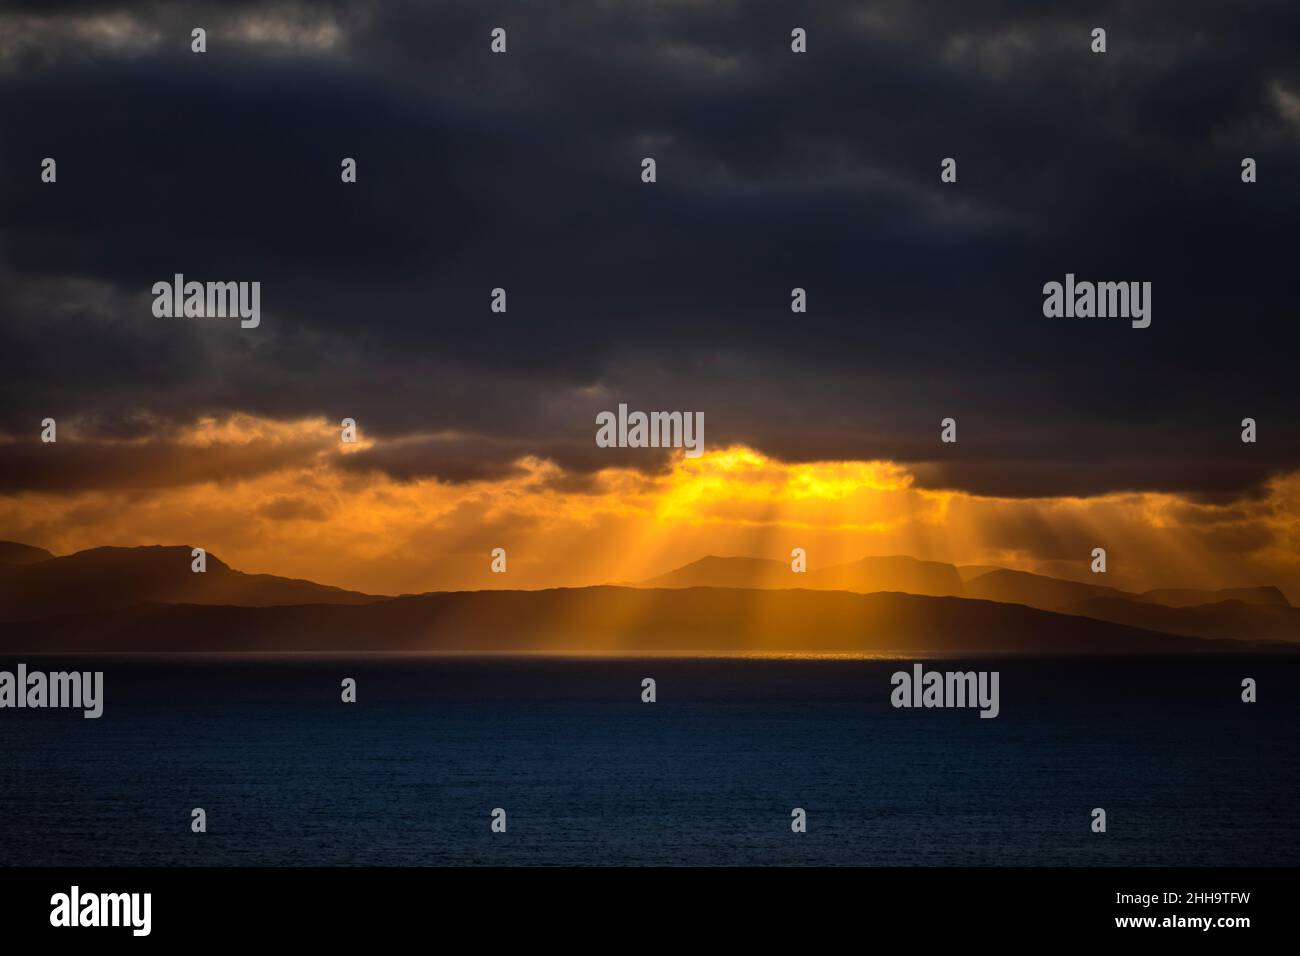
(588,774)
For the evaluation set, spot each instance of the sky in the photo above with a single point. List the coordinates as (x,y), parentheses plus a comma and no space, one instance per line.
(775,170)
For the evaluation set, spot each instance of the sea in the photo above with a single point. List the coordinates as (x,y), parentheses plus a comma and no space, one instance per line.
(711,773)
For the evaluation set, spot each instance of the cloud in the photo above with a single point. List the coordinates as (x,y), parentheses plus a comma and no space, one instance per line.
(286,508)
(776,170)
(50,36)
(165,457)
(287,498)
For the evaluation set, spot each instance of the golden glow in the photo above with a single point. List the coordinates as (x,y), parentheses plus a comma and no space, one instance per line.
(296,511)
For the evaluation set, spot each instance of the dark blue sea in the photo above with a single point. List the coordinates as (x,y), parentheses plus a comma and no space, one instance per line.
(709,774)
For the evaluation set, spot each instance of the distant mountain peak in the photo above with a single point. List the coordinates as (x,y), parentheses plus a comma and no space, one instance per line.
(164,556)
(15,552)
(864,575)
(109,578)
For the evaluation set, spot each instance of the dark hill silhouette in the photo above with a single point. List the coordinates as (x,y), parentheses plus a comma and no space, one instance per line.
(1036,590)
(893,573)
(1235,620)
(103,579)
(12,552)
(938,579)
(1055,594)
(711,571)
(1191,597)
(607,621)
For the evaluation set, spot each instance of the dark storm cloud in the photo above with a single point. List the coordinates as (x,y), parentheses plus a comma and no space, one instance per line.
(70,465)
(775,171)
(293,509)
(466,457)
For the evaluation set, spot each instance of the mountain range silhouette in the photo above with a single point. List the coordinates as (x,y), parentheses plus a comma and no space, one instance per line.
(149,599)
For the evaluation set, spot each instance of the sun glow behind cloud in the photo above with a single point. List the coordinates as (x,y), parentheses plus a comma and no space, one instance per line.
(272,496)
